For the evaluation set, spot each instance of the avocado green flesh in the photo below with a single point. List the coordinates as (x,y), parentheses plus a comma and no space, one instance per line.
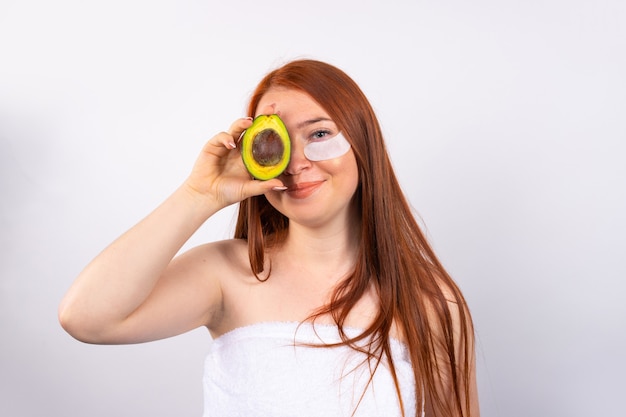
(265,147)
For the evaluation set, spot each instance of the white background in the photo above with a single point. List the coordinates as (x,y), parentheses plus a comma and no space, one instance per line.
(505,121)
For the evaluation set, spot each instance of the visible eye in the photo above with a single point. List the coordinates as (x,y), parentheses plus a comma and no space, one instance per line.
(319,135)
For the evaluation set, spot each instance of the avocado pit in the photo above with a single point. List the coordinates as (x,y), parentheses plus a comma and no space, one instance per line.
(267,147)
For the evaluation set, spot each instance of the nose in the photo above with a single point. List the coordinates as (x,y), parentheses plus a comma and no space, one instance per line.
(297,161)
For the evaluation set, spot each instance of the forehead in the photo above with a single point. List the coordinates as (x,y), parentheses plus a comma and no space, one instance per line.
(290,103)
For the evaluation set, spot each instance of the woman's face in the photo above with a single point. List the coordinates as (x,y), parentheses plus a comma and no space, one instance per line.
(318,192)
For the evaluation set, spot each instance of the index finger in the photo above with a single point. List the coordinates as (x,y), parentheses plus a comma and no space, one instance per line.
(239,126)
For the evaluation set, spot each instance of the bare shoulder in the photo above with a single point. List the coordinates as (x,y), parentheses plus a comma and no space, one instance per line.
(448,312)
(222,268)
(221,263)
(452,295)
(220,256)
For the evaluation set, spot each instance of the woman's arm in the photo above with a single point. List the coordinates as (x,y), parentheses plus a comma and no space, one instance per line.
(135,291)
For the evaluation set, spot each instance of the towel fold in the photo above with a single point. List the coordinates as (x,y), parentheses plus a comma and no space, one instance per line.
(263,370)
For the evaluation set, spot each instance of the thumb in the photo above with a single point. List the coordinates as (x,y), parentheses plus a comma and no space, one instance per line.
(261,187)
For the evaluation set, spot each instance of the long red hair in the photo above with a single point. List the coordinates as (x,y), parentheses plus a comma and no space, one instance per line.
(414,290)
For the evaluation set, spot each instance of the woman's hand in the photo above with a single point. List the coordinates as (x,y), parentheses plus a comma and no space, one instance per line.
(219,174)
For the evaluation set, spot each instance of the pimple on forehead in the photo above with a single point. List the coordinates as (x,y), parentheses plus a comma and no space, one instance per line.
(267,109)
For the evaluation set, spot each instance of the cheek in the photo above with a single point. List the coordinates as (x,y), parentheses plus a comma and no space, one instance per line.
(345,170)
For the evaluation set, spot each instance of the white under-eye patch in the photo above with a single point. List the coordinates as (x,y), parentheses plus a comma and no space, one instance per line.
(324,150)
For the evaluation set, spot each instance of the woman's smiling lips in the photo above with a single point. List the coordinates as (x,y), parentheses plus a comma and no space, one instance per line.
(303,189)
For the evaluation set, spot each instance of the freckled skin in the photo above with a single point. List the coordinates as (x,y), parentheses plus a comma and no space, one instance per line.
(267,147)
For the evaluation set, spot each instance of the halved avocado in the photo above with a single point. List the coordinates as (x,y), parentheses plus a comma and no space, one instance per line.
(265,147)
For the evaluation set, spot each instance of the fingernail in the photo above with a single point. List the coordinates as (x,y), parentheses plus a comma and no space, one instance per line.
(279,188)
(232,145)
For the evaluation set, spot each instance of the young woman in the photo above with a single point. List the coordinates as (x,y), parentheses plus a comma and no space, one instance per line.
(328,301)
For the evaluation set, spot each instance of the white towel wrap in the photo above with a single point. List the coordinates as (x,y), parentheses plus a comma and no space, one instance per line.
(262,370)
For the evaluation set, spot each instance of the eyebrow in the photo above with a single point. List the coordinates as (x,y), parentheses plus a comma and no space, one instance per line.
(312,121)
